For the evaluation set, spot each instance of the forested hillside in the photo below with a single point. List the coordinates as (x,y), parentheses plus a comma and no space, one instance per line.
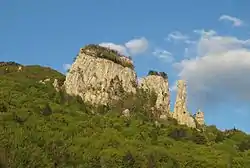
(43,128)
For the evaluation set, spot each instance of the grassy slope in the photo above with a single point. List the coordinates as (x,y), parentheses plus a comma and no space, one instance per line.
(72,136)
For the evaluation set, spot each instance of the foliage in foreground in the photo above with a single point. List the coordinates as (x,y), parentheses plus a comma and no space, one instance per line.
(42,128)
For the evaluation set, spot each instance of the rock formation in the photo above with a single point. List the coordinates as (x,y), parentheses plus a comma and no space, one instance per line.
(159,85)
(56,85)
(44,81)
(100,75)
(181,113)
(199,117)
(20,68)
(126,113)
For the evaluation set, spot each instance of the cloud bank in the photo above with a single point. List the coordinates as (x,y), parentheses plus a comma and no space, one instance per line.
(219,71)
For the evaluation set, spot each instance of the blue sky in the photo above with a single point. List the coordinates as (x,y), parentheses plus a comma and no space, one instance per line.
(206,43)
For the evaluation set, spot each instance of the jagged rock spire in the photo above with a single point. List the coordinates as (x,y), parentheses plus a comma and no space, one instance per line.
(181,113)
(199,117)
(180,103)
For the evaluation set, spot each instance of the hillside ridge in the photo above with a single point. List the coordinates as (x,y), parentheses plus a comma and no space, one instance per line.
(100,75)
(43,126)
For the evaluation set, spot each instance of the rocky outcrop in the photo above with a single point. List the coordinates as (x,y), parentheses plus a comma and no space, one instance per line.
(44,81)
(126,113)
(181,113)
(56,85)
(99,75)
(199,117)
(159,85)
(20,68)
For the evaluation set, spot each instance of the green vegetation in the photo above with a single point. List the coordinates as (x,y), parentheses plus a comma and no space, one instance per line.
(40,127)
(110,54)
(162,74)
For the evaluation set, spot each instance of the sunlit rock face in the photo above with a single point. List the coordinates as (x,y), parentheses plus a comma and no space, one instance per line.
(99,80)
(160,86)
(199,117)
(100,75)
(181,113)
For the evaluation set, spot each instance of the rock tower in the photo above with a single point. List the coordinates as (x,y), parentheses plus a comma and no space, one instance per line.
(181,113)
(100,75)
(160,86)
(199,117)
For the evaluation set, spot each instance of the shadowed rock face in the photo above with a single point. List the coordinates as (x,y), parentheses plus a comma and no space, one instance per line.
(160,86)
(181,113)
(99,80)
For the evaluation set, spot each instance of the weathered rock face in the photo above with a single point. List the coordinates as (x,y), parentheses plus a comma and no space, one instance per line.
(98,80)
(56,85)
(160,86)
(199,117)
(44,81)
(100,75)
(181,113)
(20,68)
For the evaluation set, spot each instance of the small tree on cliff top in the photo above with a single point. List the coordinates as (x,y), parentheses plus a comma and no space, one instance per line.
(162,74)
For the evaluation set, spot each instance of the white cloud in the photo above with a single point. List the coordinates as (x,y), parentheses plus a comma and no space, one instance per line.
(205,33)
(235,21)
(219,71)
(164,55)
(66,66)
(137,46)
(218,44)
(176,35)
(133,47)
(120,48)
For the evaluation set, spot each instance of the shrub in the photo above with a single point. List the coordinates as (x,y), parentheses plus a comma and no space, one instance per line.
(46,110)
(110,54)
(3,106)
(198,138)
(162,74)
(178,133)
(244,145)
(151,72)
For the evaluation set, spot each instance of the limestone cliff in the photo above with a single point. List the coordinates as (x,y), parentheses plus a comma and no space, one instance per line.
(181,113)
(199,117)
(160,86)
(100,75)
